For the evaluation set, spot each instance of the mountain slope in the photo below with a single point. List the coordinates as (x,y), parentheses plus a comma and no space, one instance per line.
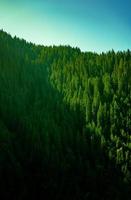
(65,122)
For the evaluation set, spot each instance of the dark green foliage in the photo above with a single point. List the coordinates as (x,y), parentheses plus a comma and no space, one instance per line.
(65,122)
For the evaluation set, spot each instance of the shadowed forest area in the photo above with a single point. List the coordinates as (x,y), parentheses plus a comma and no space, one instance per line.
(65,122)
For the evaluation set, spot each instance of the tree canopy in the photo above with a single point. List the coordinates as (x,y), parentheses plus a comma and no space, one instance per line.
(65,122)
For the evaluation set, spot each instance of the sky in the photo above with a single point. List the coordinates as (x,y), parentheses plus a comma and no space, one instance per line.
(91,25)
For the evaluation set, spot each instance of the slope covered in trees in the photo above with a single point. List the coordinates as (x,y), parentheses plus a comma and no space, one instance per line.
(65,122)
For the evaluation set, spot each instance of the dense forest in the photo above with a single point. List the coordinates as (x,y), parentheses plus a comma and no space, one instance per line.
(65,122)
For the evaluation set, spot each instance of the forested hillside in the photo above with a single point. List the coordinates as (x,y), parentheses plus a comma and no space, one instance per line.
(65,122)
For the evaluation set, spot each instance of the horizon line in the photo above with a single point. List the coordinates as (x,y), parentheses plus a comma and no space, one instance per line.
(64,45)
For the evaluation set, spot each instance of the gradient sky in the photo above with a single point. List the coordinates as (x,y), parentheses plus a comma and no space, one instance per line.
(91,25)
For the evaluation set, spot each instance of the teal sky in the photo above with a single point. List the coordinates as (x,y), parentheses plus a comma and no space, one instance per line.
(92,25)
